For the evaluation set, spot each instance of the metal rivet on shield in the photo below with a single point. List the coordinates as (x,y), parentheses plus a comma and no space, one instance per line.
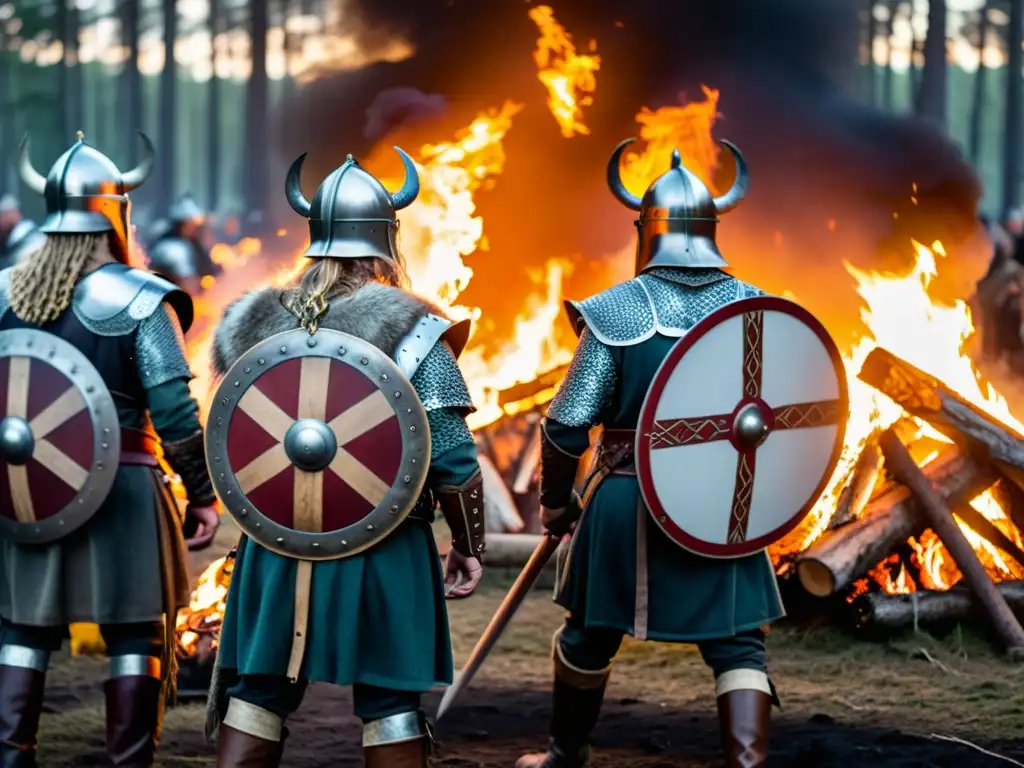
(221,475)
(248,370)
(407,479)
(280,540)
(316,544)
(394,508)
(53,353)
(412,428)
(413,461)
(310,342)
(341,351)
(244,512)
(344,543)
(227,492)
(74,369)
(258,525)
(369,527)
(238,383)
(216,458)
(224,401)
(99,465)
(383,377)
(29,345)
(397,395)
(219,421)
(261,361)
(662,519)
(283,350)
(104,446)
(363,360)
(106,430)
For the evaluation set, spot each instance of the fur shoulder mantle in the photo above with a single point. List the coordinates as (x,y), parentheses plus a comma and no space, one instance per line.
(376,313)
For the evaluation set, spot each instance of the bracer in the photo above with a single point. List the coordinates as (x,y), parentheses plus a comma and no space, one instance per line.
(557,472)
(463,509)
(187,458)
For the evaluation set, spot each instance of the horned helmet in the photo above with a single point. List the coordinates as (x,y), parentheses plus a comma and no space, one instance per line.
(678,215)
(352,215)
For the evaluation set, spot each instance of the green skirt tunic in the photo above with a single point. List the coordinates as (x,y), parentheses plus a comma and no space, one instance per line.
(683,597)
(377,618)
(113,570)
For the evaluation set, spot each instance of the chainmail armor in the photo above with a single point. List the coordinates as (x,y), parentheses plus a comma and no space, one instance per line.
(448,430)
(159,349)
(588,387)
(439,382)
(620,315)
(188,458)
(691,277)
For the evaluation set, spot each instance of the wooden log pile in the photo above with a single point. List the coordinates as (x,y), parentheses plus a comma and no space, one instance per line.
(888,498)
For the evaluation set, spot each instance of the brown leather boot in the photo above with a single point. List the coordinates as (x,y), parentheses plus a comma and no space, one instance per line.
(133,711)
(21,702)
(745,719)
(397,741)
(405,754)
(236,749)
(576,704)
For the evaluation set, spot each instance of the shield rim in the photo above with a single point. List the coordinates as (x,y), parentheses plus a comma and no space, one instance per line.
(396,505)
(643,471)
(69,361)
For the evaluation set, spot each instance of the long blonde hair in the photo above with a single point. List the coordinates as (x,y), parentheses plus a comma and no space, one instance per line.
(325,279)
(43,282)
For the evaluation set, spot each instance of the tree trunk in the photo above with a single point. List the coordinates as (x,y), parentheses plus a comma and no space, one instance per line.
(931,94)
(1013,138)
(131,93)
(76,73)
(887,98)
(256,150)
(214,22)
(980,81)
(64,34)
(168,98)
(7,136)
(868,29)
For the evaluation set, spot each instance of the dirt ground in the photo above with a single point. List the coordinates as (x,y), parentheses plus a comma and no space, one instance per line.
(846,703)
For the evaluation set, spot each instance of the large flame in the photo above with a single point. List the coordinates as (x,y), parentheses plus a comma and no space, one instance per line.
(568,76)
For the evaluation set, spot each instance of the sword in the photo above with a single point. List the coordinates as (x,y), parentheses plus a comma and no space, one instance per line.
(548,544)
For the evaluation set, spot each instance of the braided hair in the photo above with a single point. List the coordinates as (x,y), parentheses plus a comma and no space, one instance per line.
(43,282)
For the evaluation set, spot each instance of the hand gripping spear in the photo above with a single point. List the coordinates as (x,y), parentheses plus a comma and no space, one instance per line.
(527,578)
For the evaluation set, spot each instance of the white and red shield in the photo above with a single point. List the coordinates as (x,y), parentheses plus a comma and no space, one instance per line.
(60,438)
(742,427)
(317,445)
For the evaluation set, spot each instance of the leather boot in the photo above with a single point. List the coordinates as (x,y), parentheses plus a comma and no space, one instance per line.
(745,719)
(397,741)
(237,749)
(133,713)
(576,705)
(21,702)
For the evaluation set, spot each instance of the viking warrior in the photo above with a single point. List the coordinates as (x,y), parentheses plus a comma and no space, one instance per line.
(18,235)
(624,575)
(338,435)
(177,250)
(96,383)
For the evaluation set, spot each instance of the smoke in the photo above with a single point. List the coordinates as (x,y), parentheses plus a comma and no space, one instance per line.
(832,180)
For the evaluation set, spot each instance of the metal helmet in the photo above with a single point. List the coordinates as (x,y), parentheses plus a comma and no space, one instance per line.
(352,215)
(185,208)
(678,215)
(85,192)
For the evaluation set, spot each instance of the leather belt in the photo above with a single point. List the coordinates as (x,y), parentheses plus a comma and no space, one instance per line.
(139,448)
(615,451)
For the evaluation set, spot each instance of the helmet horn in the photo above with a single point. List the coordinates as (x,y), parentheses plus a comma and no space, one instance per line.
(618,189)
(410,187)
(735,195)
(137,176)
(32,178)
(293,191)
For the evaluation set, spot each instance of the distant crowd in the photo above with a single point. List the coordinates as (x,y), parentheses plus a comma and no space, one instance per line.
(999,301)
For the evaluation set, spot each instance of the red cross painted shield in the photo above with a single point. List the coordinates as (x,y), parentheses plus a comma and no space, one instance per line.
(60,438)
(742,427)
(317,444)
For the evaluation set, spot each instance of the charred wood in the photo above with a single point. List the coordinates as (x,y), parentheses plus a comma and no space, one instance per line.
(989,531)
(925,397)
(935,509)
(844,555)
(926,609)
(864,479)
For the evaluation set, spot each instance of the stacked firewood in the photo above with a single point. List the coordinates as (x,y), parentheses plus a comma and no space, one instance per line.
(874,519)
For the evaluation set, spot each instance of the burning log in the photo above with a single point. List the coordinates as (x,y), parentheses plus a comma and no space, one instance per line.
(863,480)
(531,389)
(934,508)
(927,398)
(876,612)
(844,555)
(989,531)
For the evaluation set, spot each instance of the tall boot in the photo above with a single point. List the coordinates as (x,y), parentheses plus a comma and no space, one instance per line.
(250,737)
(398,741)
(745,700)
(134,707)
(576,705)
(22,679)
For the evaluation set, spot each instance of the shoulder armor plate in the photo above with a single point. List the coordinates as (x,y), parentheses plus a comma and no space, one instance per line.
(173,256)
(114,299)
(428,330)
(634,311)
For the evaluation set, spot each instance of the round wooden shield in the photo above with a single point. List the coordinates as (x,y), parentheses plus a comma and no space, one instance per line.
(60,438)
(742,427)
(317,445)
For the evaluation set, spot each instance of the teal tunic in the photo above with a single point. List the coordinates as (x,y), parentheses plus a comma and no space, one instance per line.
(688,598)
(89,576)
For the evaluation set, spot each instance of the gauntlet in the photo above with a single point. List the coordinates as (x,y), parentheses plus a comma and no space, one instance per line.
(463,509)
(188,458)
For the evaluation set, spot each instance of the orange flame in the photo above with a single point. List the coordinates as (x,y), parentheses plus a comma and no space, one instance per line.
(568,76)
